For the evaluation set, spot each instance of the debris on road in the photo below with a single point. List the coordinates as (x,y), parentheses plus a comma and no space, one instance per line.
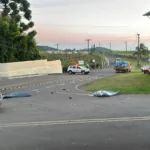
(16,94)
(70,97)
(1,99)
(67,90)
(105,93)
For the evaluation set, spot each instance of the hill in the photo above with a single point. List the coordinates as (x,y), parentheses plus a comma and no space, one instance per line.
(97,49)
(102,49)
(46,48)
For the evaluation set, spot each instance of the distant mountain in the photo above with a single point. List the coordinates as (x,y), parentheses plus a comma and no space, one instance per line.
(102,49)
(46,48)
(98,49)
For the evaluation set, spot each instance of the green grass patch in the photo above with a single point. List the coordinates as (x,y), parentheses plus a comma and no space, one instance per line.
(127,83)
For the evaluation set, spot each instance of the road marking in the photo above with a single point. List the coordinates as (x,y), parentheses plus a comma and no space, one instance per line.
(62,84)
(81,121)
(77,86)
(35,90)
(49,87)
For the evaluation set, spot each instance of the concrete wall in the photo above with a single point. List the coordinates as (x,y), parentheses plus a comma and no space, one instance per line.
(30,67)
(54,67)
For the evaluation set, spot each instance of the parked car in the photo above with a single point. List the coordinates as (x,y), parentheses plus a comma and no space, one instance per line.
(148,60)
(146,69)
(78,69)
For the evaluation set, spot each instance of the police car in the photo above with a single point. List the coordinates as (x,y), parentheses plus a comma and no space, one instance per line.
(78,69)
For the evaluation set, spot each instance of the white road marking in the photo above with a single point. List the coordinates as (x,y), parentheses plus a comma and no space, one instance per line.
(81,121)
(62,84)
(35,90)
(49,87)
(77,86)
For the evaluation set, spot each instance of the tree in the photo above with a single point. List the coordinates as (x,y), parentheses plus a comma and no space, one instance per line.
(20,44)
(142,50)
(18,10)
(8,33)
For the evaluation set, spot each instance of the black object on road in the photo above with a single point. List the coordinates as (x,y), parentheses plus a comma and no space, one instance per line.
(16,94)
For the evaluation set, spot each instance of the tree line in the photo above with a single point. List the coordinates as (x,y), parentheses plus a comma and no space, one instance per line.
(17,39)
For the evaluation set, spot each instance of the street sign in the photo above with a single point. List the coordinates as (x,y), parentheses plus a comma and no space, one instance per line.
(81,62)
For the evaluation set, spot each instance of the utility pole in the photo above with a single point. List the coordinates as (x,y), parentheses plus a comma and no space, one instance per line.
(138,57)
(126,46)
(94,47)
(57,47)
(88,42)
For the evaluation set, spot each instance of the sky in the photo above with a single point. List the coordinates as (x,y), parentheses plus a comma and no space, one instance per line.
(70,22)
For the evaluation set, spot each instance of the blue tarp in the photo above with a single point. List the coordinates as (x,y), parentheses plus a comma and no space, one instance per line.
(17,94)
(105,93)
(122,64)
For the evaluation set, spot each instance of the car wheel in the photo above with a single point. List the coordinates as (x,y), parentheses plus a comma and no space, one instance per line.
(83,72)
(70,72)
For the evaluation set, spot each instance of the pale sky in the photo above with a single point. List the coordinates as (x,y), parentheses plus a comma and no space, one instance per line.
(70,22)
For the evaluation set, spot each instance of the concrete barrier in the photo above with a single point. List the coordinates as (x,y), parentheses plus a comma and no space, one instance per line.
(30,67)
(54,67)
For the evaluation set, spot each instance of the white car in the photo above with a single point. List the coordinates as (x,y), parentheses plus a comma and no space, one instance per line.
(78,69)
(145,68)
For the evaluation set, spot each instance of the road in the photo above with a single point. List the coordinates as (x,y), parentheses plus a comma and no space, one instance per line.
(61,116)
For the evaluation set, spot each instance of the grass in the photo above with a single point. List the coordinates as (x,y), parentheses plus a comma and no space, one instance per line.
(131,83)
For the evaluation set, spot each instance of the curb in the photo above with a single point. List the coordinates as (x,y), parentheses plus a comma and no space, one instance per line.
(79,87)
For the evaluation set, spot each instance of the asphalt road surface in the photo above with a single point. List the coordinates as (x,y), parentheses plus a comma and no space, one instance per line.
(60,116)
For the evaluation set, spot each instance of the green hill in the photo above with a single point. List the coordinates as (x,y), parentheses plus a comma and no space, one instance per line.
(46,48)
(102,49)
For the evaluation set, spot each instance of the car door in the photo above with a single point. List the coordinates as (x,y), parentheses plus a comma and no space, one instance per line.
(74,69)
(78,69)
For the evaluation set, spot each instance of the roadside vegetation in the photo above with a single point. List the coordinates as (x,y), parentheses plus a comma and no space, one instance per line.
(72,59)
(127,83)
(131,83)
